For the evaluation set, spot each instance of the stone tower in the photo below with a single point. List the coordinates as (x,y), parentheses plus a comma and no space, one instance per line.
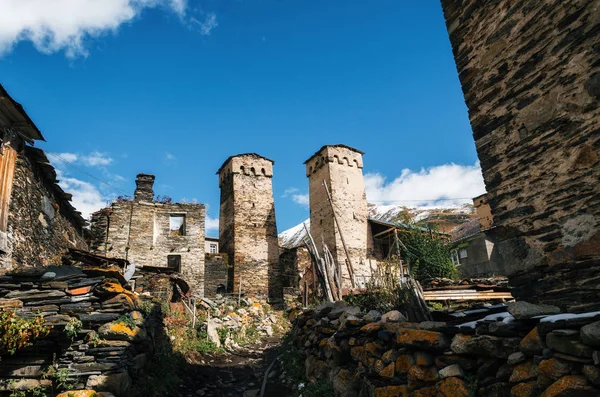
(340,167)
(247,228)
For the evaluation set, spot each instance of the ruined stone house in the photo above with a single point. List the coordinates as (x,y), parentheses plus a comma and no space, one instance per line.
(531,79)
(149,233)
(37,221)
(247,227)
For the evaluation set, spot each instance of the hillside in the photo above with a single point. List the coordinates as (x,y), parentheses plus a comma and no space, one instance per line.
(443,218)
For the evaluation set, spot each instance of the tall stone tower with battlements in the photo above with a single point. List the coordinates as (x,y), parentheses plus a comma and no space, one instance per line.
(340,168)
(247,228)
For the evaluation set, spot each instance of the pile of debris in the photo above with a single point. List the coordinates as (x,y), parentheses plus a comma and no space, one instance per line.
(526,350)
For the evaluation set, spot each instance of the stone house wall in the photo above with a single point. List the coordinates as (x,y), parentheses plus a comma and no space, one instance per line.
(341,168)
(216,272)
(42,224)
(247,226)
(531,79)
(139,231)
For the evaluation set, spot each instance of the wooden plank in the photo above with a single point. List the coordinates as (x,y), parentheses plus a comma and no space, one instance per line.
(7,171)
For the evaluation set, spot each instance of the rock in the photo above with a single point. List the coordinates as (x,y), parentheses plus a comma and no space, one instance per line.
(34,294)
(430,391)
(426,340)
(10,303)
(524,372)
(389,356)
(484,345)
(211,331)
(500,389)
(592,373)
(371,328)
(345,384)
(423,359)
(532,343)
(590,334)
(516,358)
(450,371)
(117,384)
(392,391)
(393,316)
(372,316)
(417,376)
(96,317)
(388,371)
(596,357)
(554,369)
(121,331)
(82,393)
(251,393)
(526,389)
(268,330)
(48,276)
(568,344)
(433,325)
(404,362)
(570,386)
(28,384)
(453,387)
(524,310)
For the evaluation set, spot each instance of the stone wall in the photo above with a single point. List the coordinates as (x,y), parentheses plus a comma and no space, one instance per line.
(341,168)
(502,355)
(216,271)
(247,226)
(102,353)
(531,80)
(42,224)
(140,232)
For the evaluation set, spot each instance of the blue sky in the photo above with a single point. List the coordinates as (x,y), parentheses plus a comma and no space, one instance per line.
(174,87)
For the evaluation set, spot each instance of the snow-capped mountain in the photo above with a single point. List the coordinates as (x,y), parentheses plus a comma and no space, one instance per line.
(444,218)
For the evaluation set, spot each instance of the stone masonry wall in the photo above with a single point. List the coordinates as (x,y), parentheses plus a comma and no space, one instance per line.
(216,272)
(518,354)
(530,74)
(103,353)
(247,229)
(341,168)
(140,232)
(40,228)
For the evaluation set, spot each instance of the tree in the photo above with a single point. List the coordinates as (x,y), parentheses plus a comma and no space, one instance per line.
(427,254)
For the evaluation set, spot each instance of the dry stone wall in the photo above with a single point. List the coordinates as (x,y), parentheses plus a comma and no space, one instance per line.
(530,75)
(502,355)
(247,229)
(102,352)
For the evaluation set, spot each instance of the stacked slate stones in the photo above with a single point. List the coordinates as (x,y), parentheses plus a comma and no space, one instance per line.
(98,335)
(531,350)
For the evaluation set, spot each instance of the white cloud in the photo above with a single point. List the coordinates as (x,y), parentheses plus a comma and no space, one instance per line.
(170,156)
(95,159)
(57,25)
(211,224)
(86,197)
(447,184)
(289,191)
(301,199)
(208,24)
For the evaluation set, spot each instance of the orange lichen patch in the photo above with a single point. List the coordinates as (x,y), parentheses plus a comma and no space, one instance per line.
(387,372)
(371,328)
(324,342)
(453,387)
(404,363)
(426,374)
(126,298)
(373,349)
(112,287)
(137,316)
(422,339)
(79,291)
(554,368)
(532,343)
(523,372)
(426,392)
(571,385)
(392,391)
(357,353)
(527,389)
(80,393)
(121,328)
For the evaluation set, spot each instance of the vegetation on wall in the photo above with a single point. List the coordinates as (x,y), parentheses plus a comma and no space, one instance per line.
(17,333)
(427,254)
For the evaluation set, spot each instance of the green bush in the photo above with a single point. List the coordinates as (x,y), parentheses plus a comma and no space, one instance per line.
(427,254)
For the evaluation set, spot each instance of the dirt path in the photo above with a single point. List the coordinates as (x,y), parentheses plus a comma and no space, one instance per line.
(238,373)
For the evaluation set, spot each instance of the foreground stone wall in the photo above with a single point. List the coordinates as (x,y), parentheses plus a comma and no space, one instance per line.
(103,354)
(42,225)
(247,226)
(531,80)
(374,355)
(340,167)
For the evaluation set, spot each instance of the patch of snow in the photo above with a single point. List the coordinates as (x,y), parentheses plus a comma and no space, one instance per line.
(568,316)
(294,236)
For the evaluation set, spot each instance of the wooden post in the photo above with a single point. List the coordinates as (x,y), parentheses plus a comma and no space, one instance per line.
(349,264)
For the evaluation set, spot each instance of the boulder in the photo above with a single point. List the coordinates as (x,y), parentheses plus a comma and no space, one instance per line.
(345,384)
(516,358)
(590,334)
(421,339)
(524,310)
(121,331)
(393,316)
(484,345)
(554,368)
(372,316)
(568,344)
(532,343)
(525,389)
(117,384)
(211,331)
(450,371)
(453,387)
(570,386)
(524,372)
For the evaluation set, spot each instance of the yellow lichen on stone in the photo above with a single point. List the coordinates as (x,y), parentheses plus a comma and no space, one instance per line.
(80,393)
(567,384)
(121,328)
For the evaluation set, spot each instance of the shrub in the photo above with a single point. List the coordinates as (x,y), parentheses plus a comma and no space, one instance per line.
(72,327)
(17,332)
(427,254)
(128,321)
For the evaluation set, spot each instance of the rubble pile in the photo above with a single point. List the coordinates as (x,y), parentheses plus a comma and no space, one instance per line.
(531,350)
(99,337)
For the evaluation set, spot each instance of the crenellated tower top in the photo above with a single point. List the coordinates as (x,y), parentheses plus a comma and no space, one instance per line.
(335,154)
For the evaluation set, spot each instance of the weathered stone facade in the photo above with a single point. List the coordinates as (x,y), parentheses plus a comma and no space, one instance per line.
(216,273)
(247,227)
(530,73)
(150,233)
(37,221)
(340,167)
